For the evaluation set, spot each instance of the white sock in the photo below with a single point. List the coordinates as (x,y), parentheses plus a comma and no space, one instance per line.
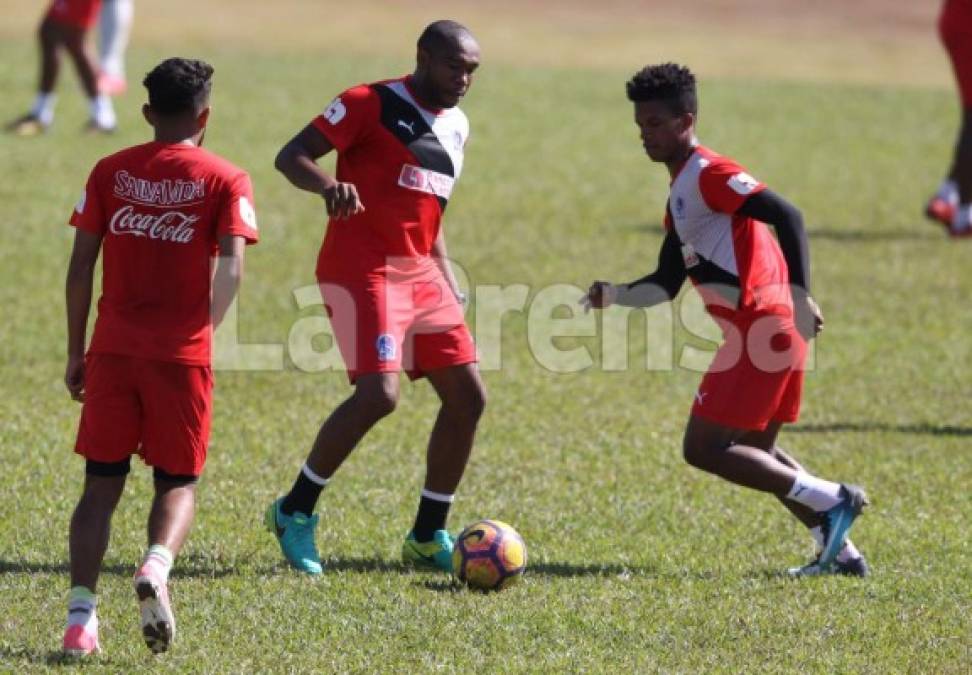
(817,493)
(102,111)
(81,606)
(43,108)
(948,191)
(159,558)
(848,552)
(313,477)
(114,29)
(962,220)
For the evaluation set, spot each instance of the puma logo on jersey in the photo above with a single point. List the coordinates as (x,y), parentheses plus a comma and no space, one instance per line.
(407,125)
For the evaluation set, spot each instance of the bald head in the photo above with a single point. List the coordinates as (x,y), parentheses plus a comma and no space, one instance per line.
(443,36)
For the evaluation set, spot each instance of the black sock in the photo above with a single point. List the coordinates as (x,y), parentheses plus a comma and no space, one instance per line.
(302,496)
(431,516)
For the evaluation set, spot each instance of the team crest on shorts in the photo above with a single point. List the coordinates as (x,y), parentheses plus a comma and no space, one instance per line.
(385,344)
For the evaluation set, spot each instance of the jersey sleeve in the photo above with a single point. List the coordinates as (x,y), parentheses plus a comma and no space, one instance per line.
(348,118)
(89,212)
(725,185)
(237,217)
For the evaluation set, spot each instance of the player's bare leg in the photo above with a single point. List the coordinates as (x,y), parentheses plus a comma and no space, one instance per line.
(100,107)
(718,449)
(91,526)
(41,114)
(375,396)
(463,398)
(766,440)
(88,541)
(169,521)
(290,518)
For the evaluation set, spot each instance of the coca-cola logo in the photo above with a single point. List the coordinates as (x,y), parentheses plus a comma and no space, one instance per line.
(172,226)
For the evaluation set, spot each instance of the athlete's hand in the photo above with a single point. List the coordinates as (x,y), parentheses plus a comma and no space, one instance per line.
(809,318)
(601,294)
(342,200)
(74,377)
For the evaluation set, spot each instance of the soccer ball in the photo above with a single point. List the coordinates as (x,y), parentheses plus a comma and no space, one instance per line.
(489,555)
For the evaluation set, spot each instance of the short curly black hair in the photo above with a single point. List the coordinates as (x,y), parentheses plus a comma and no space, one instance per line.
(177,86)
(670,83)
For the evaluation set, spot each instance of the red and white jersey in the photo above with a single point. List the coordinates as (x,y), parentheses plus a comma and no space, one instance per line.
(404,161)
(722,247)
(161,209)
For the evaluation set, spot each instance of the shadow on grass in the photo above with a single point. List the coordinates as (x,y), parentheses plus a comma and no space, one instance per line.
(25,656)
(867,427)
(189,566)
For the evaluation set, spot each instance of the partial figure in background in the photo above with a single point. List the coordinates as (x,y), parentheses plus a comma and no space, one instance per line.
(952,204)
(65,27)
(114,30)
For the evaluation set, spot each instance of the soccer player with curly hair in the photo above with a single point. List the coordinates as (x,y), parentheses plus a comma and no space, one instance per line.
(160,211)
(757,289)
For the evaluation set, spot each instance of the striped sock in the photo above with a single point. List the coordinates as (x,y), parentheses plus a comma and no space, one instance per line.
(81,606)
(432,513)
(159,558)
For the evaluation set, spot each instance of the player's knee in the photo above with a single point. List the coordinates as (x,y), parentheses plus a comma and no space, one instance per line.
(378,400)
(466,405)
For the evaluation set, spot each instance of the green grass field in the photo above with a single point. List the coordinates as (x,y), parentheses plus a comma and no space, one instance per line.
(638,563)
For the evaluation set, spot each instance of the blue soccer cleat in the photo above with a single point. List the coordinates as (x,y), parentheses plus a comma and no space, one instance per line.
(837,522)
(295,534)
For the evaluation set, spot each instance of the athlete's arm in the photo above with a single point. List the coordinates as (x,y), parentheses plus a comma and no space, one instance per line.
(77,291)
(768,207)
(297,160)
(228,275)
(660,286)
(441,257)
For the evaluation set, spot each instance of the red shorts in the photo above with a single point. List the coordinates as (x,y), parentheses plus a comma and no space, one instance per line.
(955,29)
(756,376)
(386,326)
(80,13)
(157,409)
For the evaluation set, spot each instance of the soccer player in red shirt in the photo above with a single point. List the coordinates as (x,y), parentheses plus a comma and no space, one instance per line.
(952,204)
(65,26)
(758,292)
(160,211)
(383,271)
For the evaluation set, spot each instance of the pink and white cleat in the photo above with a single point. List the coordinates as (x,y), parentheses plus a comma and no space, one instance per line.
(158,622)
(81,639)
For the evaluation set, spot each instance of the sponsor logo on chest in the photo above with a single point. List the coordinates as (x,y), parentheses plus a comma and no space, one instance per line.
(174,226)
(425,180)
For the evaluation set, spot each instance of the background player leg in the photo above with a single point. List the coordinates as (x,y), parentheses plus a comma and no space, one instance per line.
(961,173)
(463,398)
(169,521)
(289,518)
(88,541)
(114,29)
(100,108)
(41,114)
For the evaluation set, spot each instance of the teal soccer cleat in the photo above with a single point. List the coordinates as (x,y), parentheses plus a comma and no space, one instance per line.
(435,554)
(295,533)
(837,522)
